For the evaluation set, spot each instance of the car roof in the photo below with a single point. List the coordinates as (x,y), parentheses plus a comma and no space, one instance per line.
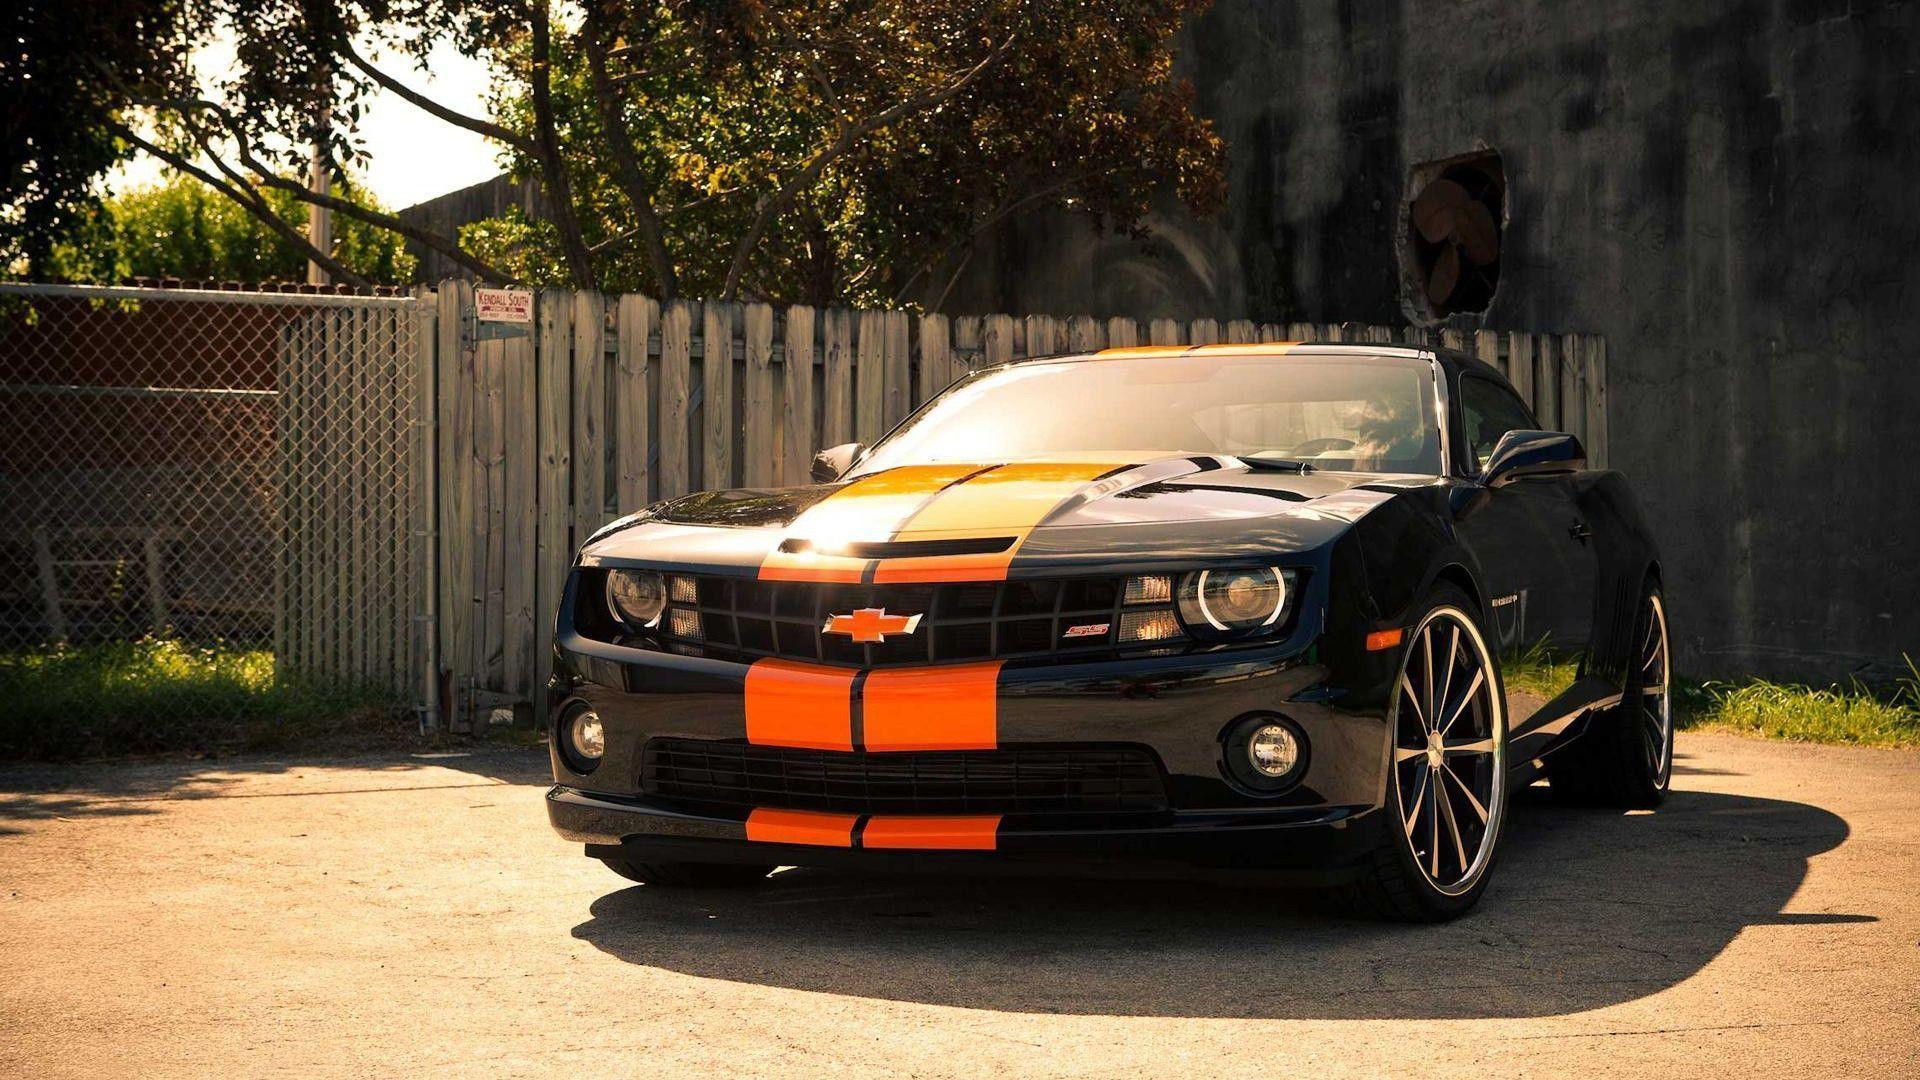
(1449,357)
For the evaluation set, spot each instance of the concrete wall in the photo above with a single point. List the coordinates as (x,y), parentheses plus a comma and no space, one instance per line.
(1726,190)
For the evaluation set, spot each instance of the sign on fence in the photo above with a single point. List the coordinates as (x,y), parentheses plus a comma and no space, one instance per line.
(503,305)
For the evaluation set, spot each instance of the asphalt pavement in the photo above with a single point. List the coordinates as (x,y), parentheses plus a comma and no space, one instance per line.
(408,915)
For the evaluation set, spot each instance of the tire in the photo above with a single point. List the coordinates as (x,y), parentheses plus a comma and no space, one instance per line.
(689,875)
(1625,757)
(1422,870)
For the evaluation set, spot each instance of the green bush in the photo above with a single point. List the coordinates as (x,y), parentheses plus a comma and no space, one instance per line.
(160,695)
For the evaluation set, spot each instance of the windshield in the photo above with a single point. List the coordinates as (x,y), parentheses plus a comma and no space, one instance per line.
(1358,413)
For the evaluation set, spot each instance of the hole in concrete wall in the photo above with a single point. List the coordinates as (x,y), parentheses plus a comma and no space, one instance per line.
(1451,240)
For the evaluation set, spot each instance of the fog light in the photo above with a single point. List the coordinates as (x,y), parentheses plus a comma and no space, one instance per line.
(585,739)
(1273,750)
(1264,753)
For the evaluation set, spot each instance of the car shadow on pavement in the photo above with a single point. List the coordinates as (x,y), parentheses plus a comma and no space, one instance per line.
(1588,908)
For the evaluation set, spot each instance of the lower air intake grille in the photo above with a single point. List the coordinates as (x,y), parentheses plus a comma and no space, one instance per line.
(1015,780)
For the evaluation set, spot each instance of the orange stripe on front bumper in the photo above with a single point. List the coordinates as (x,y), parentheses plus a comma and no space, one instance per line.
(980,833)
(937,708)
(801,827)
(804,705)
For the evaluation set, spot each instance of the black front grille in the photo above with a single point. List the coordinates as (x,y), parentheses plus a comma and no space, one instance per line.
(959,621)
(1111,778)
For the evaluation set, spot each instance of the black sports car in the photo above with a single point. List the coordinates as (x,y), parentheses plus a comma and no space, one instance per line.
(1312,609)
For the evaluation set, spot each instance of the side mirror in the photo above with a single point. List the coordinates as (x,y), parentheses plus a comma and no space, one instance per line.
(833,462)
(1520,454)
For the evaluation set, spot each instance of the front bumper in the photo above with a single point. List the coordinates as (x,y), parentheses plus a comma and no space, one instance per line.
(1179,706)
(1308,845)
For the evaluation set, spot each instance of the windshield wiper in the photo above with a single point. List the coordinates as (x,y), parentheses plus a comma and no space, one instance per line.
(1262,460)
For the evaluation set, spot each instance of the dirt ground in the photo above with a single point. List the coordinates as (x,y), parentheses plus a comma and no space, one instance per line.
(406,915)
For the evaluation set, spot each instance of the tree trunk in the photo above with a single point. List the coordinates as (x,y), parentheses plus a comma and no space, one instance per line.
(553,171)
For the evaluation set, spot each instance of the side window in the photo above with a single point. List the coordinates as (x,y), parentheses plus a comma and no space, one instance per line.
(1491,411)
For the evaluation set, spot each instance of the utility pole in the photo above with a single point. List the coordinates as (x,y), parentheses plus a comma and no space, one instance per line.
(319,218)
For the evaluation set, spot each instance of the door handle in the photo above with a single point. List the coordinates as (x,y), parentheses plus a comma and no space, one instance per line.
(1580,531)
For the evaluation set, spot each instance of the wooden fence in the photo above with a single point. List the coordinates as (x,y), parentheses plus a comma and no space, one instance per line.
(605,404)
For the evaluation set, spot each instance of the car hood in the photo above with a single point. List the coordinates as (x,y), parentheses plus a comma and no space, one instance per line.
(1083,507)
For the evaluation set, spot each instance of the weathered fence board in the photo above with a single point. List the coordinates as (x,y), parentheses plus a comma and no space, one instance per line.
(758,458)
(589,412)
(636,318)
(796,422)
(836,417)
(673,396)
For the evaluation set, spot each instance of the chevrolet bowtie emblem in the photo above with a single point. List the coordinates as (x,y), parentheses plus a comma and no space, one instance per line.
(870,624)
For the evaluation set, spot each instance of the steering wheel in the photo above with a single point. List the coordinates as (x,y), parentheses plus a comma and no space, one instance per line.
(1321,446)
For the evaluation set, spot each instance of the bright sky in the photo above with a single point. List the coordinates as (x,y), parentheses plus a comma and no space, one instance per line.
(412,156)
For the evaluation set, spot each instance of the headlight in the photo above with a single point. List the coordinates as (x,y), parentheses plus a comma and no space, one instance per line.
(1234,601)
(636,597)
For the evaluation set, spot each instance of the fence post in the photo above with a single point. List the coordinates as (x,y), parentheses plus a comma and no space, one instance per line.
(554,482)
(427,504)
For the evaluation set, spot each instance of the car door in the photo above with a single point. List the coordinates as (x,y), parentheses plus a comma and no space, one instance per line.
(1537,563)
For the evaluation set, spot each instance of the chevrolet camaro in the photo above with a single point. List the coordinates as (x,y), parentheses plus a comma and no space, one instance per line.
(1311,610)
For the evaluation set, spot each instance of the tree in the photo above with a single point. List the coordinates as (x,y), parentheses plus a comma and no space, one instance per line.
(794,149)
(62,69)
(818,152)
(183,229)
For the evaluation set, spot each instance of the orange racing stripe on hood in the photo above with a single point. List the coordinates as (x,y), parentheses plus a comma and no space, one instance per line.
(867,510)
(1008,501)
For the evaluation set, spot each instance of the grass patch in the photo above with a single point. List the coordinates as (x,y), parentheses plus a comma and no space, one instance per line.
(161,695)
(1538,670)
(1853,714)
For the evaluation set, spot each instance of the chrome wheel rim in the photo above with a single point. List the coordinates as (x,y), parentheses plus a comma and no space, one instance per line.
(1653,718)
(1449,751)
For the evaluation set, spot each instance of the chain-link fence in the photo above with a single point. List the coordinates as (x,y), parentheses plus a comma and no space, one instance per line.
(242,468)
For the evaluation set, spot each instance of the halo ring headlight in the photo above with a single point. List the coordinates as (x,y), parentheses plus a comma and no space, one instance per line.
(1235,600)
(636,597)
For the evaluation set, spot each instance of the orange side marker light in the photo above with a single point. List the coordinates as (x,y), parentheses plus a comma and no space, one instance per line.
(1384,639)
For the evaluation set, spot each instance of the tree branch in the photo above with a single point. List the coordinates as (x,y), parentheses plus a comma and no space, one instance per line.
(626,166)
(446,246)
(849,137)
(472,123)
(249,202)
